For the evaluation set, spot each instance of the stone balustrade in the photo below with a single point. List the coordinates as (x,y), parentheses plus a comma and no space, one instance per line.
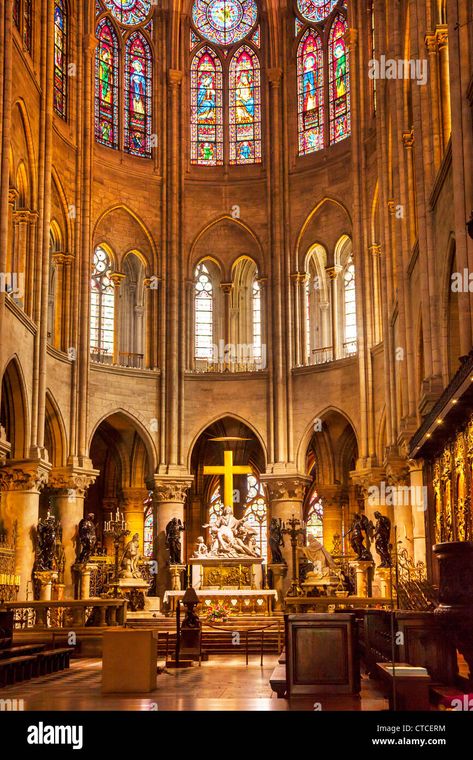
(98,613)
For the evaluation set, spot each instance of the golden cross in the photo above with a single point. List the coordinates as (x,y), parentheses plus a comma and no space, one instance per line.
(228,471)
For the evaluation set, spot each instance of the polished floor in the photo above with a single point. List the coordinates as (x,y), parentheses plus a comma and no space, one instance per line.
(222,683)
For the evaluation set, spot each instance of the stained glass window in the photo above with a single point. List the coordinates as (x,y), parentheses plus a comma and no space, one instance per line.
(256,516)
(28,24)
(350,307)
(310,93)
(60,58)
(129,12)
(224,21)
(257,346)
(106,85)
(314,523)
(206,109)
(316,10)
(138,96)
(203,313)
(148,542)
(102,301)
(245,108)
(339,82)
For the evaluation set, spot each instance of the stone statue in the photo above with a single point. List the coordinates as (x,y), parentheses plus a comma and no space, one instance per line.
(200,548)
(322,562)
(131,555)
(230,537)
(87,538)
(276,540)
(360,528)
(173,540)
(47,532)
(382,533)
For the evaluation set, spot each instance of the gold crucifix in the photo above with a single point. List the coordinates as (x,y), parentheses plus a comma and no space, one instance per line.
(228,471)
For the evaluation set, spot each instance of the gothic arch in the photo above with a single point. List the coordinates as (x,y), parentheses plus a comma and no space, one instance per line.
(14,408)
(138,423)
(303,240)
(238,231)
(55,432)
(152,260)
(306,437)
(29,142)
(222,417)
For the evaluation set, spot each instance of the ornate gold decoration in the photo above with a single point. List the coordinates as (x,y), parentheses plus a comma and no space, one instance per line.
(228,576)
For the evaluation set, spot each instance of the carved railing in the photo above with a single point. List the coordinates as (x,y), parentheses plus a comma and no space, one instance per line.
(37,615)
(9,580)
(414,591)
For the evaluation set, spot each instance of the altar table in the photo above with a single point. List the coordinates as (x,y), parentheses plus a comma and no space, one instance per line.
(243,601)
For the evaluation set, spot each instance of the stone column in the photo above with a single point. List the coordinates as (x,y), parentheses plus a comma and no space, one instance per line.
(375,251)
(419,509)
(286,497)
(432,50)
(337,344)
(117,279)
(58,259)
(68,489)
(21,483)
(441,34)
(6,119)
(133,507)
(169,496)
(228,359)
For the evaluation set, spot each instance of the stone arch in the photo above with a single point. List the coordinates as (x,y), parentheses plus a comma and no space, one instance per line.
(220,239)
(124,236)
(14,415)
(55,432)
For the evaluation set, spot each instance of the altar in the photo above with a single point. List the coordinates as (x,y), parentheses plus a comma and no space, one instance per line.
(241,601)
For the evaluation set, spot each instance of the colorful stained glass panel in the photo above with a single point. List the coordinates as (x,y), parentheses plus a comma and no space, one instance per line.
(310,93)
(138,96)
(245,108)
(316,10)
(60,59)
(129,12)
(339,82)
(206,109)
(224,21)
(106,86)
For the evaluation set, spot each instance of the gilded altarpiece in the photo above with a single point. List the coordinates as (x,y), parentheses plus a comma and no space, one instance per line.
(452,482)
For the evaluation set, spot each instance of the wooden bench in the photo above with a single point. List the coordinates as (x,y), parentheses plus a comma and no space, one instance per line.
(17,669)
(52,660)
(21,650)
(411,691)
(278,680)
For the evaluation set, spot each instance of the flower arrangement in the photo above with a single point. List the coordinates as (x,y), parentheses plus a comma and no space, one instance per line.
(218,612)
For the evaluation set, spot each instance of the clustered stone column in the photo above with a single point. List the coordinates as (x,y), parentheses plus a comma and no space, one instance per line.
(169,496)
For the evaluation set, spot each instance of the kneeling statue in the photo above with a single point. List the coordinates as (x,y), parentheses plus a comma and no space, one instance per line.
(131,555)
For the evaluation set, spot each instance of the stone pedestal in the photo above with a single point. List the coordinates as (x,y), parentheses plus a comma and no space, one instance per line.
(169,496)
(84,572)
(279,573)
(384,577)
(176,575)
(362,569)
(45,579)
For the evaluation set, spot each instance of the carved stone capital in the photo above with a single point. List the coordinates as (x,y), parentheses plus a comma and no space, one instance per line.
(375,250)
(288,488)
(441,36)
(392,206)
(117,278)
(24,216)
(431,43)
(133,497)
(397,471)
(408,138)
(171,489)
(226,287)
(300,277)
(274,76)
(24,475)
(366,477)
(13,195)
(174,77)
(333,272)
(65,480)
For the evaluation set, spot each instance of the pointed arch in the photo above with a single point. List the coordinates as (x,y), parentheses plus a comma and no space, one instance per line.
(14,413)
(55,432)
(138,95)
(206,108)
(310,92)
(106,85)
(244,107)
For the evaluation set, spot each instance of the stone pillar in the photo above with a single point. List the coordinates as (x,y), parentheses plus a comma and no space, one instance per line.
(286,497)
(20,483)
(375,251)
(133,507)
(117,279)
(45,580)
(337,344)
(56,327)
(68,489)
(441,34)
(362,569)
(279,584)
(419,510)
(169,496)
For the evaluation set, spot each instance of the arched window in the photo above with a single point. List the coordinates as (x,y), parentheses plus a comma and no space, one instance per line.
(349,307)
(132,313)
(256,515)
(102,308)
(203,305)
(245,108)
(206,109)
(339,82)
(315,517)
(319,338)
(148,539)
(310,93)
(23,20)
(129,12)
(138,96)
(60,58)
(316,10)
(106,85)
(257,338)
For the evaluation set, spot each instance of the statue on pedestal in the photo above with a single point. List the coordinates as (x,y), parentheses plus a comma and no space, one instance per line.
(47,531)
(231,537)
(382,533)
(323,572)
(131,555)
(276,541)
(87,538)
(173,540)
(360,528)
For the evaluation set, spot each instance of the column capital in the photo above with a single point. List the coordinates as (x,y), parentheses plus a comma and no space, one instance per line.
(174,77)
(171,489)
(333,272)
(274,76)
(299,277)
(58,258)
(430,41)
(397,469)
(117,278)
(226,287)
(391,206)
(134,495)
(375,249)
(66,479)
(408,138)
(24,475)
(286,487)
(25,216)
(441,36)
(365,477)
(13,195)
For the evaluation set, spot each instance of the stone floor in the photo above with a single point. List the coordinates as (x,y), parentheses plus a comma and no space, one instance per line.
(222,683)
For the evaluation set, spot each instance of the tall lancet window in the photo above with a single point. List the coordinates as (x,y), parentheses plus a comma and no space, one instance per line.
(245,108)
(102,308)
(339,82)
(60,58)
(106,85)
(257,338)
(310,86)
(203,304)
(349,307)
(206,109)
(138,93)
